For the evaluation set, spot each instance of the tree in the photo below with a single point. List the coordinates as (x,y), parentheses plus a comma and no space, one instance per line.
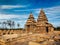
(4,24)
(9,23)
(57,28)
(18,25)
(13,24)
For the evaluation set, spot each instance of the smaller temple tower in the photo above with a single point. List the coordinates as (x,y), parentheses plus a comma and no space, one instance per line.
(30,24)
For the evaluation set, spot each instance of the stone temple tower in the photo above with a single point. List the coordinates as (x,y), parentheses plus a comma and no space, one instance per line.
(42,23)
(42,17)
(30,24)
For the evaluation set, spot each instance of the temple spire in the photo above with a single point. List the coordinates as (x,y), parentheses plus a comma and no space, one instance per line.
(42,16)
(31,16)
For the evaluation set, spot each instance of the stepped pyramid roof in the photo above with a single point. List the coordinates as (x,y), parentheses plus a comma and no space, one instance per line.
(31,19)
(42,16)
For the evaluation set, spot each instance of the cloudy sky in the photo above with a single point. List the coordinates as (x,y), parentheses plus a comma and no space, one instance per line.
(19,10)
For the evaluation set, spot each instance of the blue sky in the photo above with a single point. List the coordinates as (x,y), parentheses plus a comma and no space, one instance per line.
(19,10)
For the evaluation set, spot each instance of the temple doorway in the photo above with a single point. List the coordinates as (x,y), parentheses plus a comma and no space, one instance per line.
(47,29)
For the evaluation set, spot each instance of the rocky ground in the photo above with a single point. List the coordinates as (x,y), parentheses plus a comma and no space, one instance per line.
(37,39)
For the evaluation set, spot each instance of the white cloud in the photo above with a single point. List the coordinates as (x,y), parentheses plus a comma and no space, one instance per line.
(21,21)
(51,11)
(11,6)
(8,16)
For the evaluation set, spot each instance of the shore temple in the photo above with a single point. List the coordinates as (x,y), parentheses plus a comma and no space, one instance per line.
(41,25)
(35,32)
